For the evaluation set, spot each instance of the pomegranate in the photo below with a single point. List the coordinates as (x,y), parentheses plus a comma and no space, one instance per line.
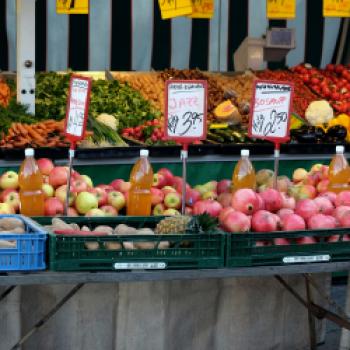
(324,205)
(321,221)
(288,202)
(224,212)
(261,205)
(284,212)
(236,221)
(330,195)
(273,200)
(281,241)
(264,221)
(306,240)
(245,201)
(213,208)
(343,198)
(340,211)
(293,222)
(345,219)
(306,208)
(224,199)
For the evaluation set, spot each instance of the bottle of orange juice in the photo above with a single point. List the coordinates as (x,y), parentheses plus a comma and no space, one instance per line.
(30,186)
(244,173)
(339,172)
(141,178)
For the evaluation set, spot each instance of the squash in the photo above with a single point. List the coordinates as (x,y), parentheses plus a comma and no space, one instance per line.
(227,111)
(296,122)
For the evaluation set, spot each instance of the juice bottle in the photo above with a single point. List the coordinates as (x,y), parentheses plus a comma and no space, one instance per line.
(141,178)
(244,173)
(339,172)
(30,185)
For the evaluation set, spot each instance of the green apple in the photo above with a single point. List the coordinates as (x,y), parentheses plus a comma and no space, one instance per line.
(171,212)
(211,185)
(116,199)
(201,189)
(48,190)
(85,201)
(61,194)
(88,180)
(9,180)
(6,208)
(95,212)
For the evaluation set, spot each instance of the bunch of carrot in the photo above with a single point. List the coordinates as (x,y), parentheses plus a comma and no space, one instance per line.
(47,133)
(5,93)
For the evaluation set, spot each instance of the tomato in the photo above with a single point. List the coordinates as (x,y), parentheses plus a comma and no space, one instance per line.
(335,96)
(326,92)
(330,67)
(315,81)
(306,78)
(338,68)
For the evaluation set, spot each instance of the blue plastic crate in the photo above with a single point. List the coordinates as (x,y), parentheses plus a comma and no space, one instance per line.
(29,252)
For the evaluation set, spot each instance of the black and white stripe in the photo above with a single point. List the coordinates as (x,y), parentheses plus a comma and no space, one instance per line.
(130,35)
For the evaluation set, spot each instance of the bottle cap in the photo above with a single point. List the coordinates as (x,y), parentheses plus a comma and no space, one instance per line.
(339,149)
(29,152)
(144,153)
(245,152)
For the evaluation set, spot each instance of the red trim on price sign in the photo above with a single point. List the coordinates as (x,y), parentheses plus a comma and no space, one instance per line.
(82,105)
(269,109)
(191,109)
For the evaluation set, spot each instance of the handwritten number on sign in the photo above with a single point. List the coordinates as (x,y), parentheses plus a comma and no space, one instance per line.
(271,126)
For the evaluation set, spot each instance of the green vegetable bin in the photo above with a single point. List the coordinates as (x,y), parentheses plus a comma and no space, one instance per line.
(185,251)
(259,249)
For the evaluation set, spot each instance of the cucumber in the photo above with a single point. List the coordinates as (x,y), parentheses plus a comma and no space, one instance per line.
(214,137)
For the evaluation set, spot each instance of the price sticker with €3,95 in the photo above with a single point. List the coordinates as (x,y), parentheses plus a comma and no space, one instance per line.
(77,108)
(186,110)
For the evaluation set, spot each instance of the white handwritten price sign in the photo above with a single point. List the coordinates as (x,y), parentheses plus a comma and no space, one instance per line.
(186,110)
(77,108)
(270,111)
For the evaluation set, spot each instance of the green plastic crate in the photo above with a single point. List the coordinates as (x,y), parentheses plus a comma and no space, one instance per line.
(69,253)
(258,249)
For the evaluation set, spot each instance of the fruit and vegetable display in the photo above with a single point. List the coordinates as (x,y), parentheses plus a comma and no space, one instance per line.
(303,202)
(129,110)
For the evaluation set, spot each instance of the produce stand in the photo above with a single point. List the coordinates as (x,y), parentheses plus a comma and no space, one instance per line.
(228,302)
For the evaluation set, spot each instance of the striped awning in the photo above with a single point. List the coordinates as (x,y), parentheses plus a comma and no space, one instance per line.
(130,35)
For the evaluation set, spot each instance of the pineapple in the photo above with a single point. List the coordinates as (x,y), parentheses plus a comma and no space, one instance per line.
(186,224)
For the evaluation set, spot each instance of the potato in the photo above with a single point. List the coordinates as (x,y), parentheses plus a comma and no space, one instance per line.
(104,229)
(125,230)
(144,245)
(113,245)
(8,224)
(59,225)
(92,245)
(163,245)
(7,244)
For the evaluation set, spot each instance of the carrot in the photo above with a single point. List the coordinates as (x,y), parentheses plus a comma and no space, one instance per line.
(22,130)
(34,134)
(11,133)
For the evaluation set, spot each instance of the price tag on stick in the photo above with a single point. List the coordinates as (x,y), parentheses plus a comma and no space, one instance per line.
(270,114)
(336,8)
(76,118)
(185,117)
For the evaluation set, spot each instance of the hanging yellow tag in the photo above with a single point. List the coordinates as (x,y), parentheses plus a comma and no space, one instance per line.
(202,9)
(281,9)
(175,8)
(72,7)
(336,8)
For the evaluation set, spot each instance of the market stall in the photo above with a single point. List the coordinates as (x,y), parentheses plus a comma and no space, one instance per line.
(233,271)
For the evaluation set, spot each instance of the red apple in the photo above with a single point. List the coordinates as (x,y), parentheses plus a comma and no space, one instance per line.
(177,183)
(87,180)
(116,184)
(101,195)
(322,186)
(45,165)
(116,199)
(107,188)
(188,211)
(192,196)
(12,198)
(172,200)
(125,186)
(157,196)
(53,207)
(58,176)
(167,174)
(225,199)
(159,180)
(9,180)
(72,212)
(109,210)
(224,186)
(79,185)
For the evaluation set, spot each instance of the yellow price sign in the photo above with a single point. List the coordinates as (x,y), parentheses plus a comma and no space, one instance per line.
(202,9)
(175,8)
(72,7)
(281,9)
(336,8)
